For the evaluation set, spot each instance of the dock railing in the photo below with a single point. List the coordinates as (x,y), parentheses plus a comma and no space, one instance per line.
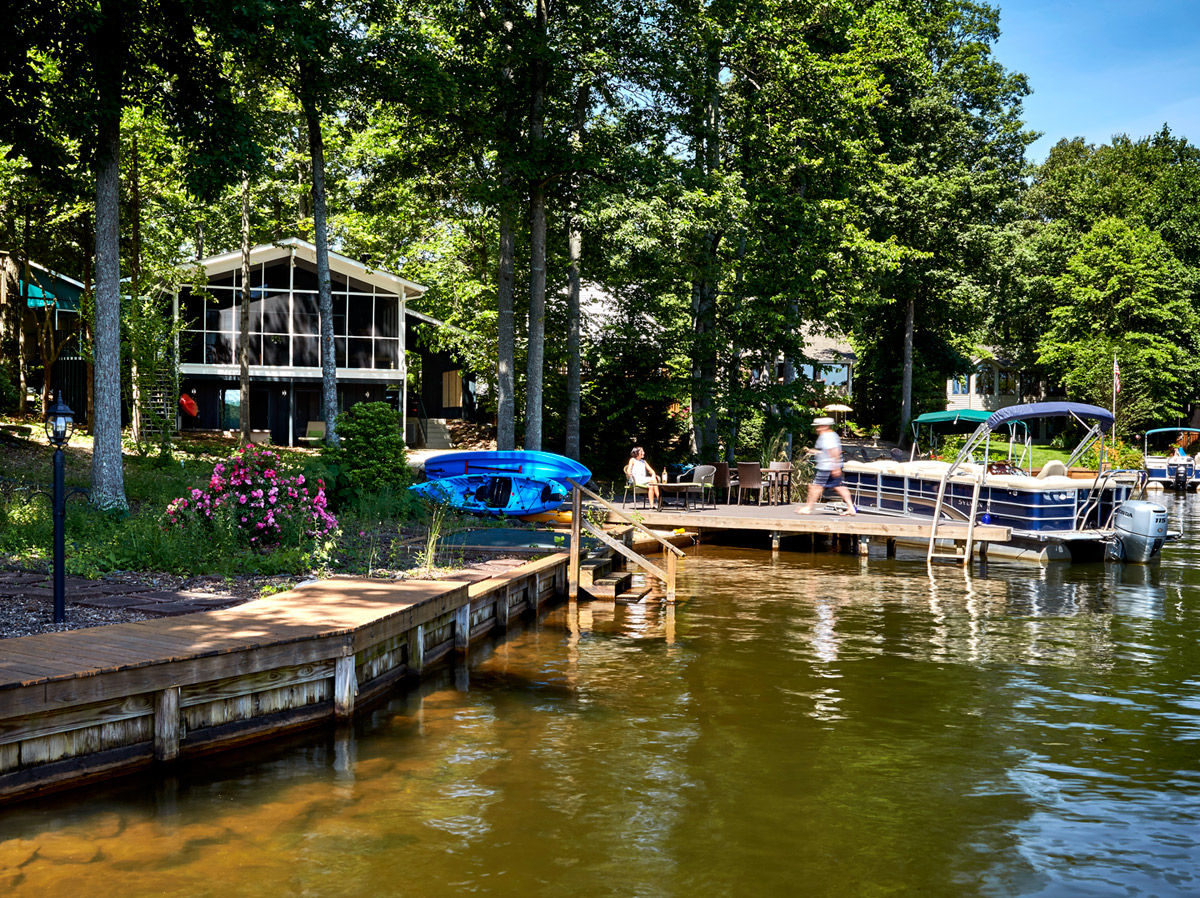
(578,525)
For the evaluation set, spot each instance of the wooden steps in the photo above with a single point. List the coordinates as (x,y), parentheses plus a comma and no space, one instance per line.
(610,586)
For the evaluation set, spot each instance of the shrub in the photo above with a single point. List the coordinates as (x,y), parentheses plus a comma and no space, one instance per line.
(370,456)
(10,393)
(252,502)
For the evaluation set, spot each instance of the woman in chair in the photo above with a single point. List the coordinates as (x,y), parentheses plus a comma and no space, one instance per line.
(641,474)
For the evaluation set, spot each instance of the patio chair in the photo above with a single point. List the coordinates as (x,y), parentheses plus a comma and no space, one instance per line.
(723,481)
(781,480)
(749,478)
(634,489)
(704,476)
(315,433)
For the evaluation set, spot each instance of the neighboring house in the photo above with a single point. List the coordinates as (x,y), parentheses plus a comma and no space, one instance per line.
(996,383)
(53,299)
(376,343)
(829,360)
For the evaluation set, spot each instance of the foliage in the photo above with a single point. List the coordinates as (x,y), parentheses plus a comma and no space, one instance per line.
(370,456)
(1125,295)
(251,502)
(9,392)
(1116,455)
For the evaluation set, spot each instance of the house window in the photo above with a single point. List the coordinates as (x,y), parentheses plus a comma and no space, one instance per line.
(1008,382)
(959,385)
(451,389)
(285,321)
(1029,384)
(985,381)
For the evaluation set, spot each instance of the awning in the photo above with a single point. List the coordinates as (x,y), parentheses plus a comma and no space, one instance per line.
(953,416)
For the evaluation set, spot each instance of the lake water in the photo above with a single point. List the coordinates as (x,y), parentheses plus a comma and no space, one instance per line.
(803,724)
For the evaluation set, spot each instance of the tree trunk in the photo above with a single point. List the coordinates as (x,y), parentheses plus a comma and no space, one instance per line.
(574,252)
(108,479)
(316,145)
(137,424)
(534,361)
(907,374)
(704,297)
(22,308)
(244,314)
(506,433)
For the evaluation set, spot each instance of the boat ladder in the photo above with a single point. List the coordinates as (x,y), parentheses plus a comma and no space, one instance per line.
(961,553)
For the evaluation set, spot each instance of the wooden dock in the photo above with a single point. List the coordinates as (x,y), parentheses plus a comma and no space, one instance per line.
(89,703)
(782,520)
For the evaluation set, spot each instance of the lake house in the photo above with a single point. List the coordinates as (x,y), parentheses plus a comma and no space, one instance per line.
(380,351)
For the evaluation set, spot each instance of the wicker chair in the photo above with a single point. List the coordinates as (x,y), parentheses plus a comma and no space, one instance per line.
(749,478)
(723,481)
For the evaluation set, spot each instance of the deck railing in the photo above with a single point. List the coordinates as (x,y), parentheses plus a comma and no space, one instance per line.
(578,525)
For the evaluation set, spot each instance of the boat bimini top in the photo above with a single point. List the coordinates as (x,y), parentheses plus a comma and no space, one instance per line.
(1098,422)
(1146,442)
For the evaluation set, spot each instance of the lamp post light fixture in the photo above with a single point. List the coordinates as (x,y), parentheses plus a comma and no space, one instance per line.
(60,424)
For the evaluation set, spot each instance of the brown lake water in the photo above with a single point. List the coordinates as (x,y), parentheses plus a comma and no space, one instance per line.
(803,724)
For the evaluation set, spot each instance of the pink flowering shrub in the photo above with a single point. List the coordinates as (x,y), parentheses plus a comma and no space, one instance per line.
(251,499)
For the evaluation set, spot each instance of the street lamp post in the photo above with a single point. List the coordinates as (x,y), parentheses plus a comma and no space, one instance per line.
(60,424)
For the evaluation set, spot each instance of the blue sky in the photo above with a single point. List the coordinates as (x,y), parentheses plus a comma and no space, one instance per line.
(1104,67)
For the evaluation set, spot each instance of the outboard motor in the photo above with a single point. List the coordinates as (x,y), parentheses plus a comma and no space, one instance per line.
(1180,476)
(1141,530)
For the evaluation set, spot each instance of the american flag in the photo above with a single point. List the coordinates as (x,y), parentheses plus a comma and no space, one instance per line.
(1116,376)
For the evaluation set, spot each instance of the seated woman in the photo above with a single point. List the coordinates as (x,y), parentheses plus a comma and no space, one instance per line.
(641,474)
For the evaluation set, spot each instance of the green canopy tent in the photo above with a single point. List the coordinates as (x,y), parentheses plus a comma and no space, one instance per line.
(963,420)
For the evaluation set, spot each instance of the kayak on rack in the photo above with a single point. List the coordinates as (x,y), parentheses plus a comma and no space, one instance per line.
(538,465)
(495,494)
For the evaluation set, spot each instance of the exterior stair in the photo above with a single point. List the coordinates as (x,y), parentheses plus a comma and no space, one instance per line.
(609,587)
(437,434)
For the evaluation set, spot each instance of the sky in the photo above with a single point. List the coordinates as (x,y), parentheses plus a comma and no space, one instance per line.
(1104,67)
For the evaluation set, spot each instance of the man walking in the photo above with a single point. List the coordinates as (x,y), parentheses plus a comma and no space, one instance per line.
(829,469)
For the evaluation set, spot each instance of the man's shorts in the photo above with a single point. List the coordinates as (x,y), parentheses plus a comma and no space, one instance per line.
(826,481)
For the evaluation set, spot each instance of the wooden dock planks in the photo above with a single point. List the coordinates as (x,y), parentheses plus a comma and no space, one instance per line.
(86,703)
(783,519)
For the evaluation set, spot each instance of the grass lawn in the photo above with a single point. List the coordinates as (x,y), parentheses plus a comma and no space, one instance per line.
(377,534)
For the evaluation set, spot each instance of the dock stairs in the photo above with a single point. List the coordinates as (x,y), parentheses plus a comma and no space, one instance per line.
(601,574)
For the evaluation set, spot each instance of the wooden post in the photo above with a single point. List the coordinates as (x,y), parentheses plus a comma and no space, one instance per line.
(576,531)
(672,565)
(166,724)
(891,548)
(502,609)
(462,628)
(864,546)
(416,650)
(775,540)
(345,687)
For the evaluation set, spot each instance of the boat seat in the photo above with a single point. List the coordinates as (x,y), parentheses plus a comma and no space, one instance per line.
(496,492)
(1052,468)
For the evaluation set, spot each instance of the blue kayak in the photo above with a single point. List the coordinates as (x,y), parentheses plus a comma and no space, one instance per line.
(497,494)
(539,465)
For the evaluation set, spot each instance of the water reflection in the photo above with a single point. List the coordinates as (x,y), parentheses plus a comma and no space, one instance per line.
(802,721)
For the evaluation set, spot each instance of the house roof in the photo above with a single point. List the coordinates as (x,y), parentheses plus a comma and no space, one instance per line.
(823,348)
(282,249)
